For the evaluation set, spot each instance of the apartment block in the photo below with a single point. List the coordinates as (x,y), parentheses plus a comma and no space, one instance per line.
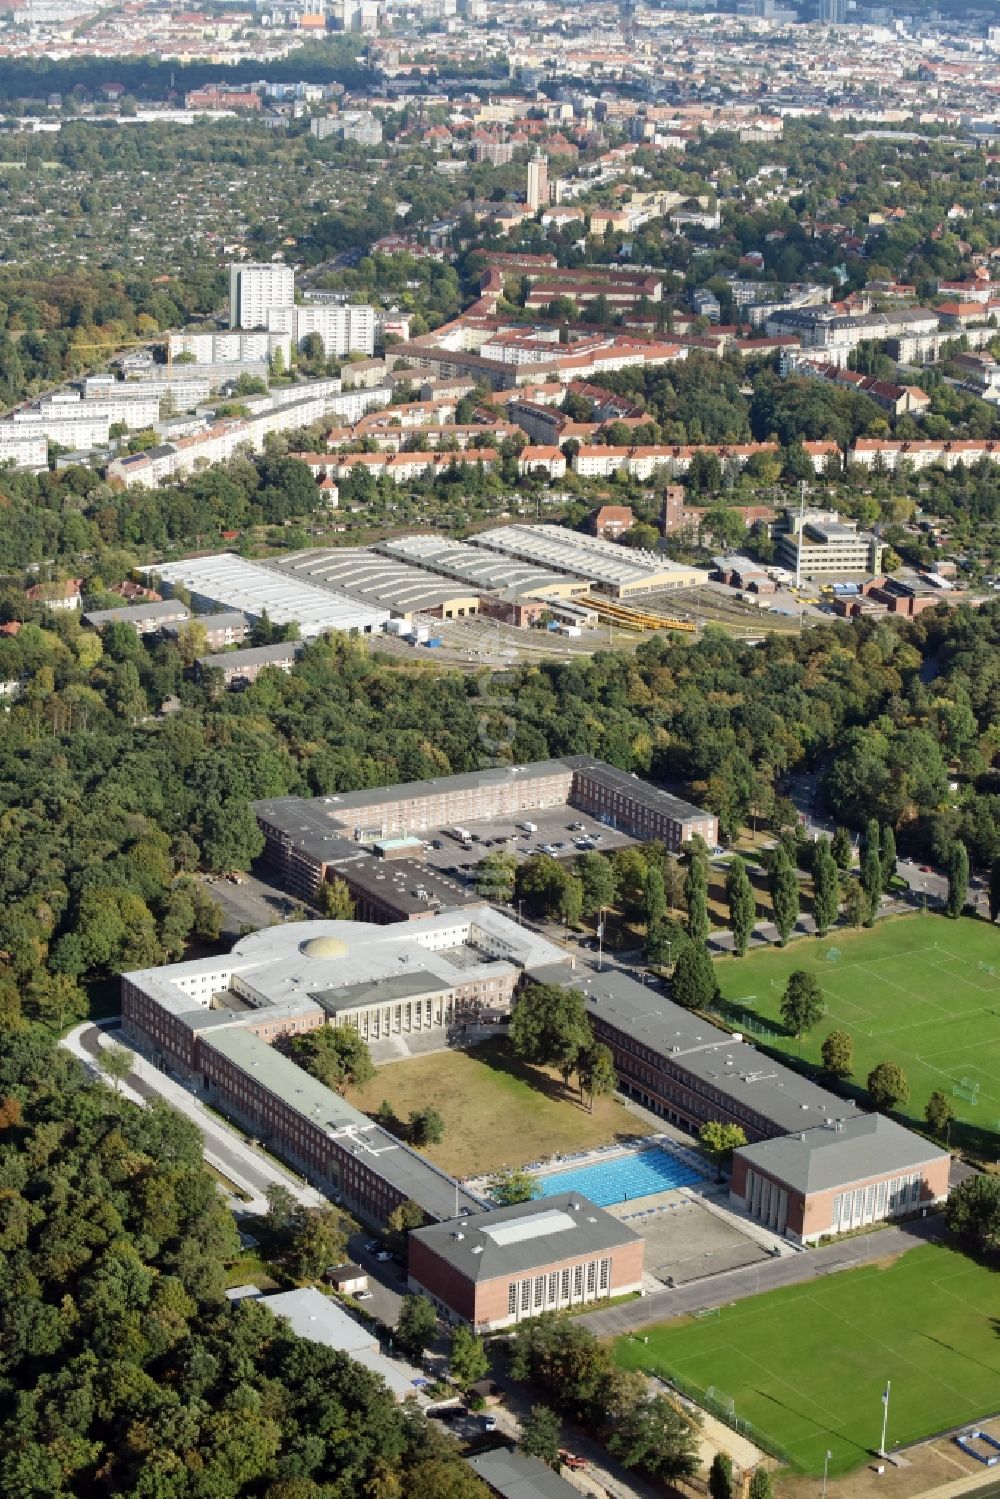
(255,288)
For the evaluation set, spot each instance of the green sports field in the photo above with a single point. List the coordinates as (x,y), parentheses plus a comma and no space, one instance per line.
(807,1365)
(919,990)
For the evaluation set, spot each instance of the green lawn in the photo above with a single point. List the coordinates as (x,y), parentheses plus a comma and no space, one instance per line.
(917,990)
(497,1111)
(807,1365)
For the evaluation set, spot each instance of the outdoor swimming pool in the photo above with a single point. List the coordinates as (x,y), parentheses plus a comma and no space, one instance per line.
(624,1177)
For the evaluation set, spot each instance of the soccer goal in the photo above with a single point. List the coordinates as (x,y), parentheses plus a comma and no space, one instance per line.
(967,1090)
(707,1311)
(989,969)
(719,1401)
(833,955)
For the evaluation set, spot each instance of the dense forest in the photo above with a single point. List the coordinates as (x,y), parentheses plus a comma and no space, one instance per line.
(108,804)
(123,1369)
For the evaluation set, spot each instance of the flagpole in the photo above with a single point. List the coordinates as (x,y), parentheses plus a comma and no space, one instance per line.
(885,1415)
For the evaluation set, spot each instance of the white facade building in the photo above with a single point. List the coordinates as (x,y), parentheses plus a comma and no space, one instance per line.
(254,288)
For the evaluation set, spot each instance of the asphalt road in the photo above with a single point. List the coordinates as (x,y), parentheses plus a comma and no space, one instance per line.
(227,1151)
(769,1275)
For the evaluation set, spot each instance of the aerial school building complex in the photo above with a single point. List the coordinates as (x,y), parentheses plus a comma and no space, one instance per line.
(214,1022)
(815,1164)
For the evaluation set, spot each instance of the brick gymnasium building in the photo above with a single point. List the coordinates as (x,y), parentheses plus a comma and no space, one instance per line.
(838,1177)
(214,1020)
(816,1163)
(312,840)
(501,1267)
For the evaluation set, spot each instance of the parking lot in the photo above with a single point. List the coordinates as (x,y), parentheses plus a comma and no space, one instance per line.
(557,830)
(250,904)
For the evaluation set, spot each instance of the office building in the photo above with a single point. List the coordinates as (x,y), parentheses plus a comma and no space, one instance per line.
(255,288)
(538,182)
(818,543)
(502,1267)
(842,1175)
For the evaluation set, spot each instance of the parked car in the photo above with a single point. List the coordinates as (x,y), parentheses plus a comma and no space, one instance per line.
(572,1461)
(489,1423)
(362,1295)
(383,1255)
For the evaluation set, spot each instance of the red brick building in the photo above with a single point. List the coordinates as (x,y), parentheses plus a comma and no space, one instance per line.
(497,1268)
(837,1177)
(612,521)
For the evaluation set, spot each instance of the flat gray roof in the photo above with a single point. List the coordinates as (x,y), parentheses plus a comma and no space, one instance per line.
(437,1192)
(714,1062)
(399,882)
(376,579)
(254,655)
(377,991)
(513,1475)
(236,583)
(516,1240)
(136,614)
(852,1150)
(333,812)
(457,559)
(639,790)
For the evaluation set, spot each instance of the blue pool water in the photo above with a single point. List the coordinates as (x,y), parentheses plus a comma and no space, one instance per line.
(623,1178)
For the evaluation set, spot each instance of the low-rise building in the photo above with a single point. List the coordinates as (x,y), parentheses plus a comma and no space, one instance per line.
(213,1020)
(221,630)
(612,521)
(304,836)
(499,1268)
(146,618)
(842,1175)
(242,668)
(320,1319)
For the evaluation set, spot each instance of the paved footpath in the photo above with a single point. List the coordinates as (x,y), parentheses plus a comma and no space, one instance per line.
(225,1149)
(769,1275)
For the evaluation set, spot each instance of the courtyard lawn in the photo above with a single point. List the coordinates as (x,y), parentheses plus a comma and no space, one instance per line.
(919,990)
(496,1111)
(808,1365)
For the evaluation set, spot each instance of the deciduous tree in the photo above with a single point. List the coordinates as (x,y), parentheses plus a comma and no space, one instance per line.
(802,1002)
(416,1325)
(837,1053)
(939,1111)
(540,1435)
(887,1085)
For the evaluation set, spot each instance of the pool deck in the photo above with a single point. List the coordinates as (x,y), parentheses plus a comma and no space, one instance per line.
(581,1160)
